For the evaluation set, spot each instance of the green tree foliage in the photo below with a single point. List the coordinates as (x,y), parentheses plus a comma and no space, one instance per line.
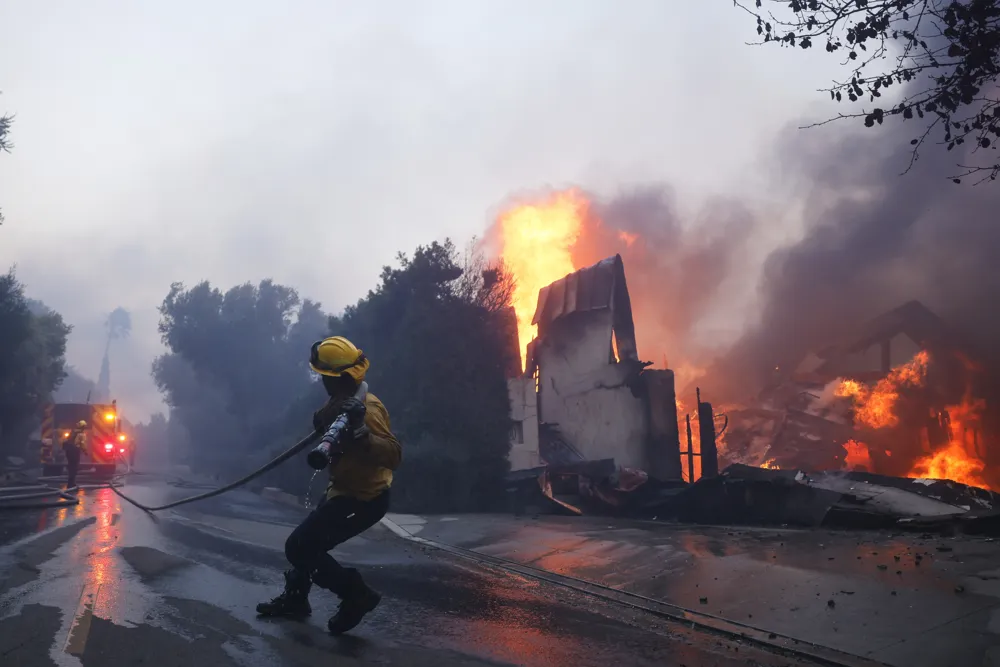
(32,361)
(5,145)
(236,358)
(944,53)
(158,441)
(238,386)
(440,361)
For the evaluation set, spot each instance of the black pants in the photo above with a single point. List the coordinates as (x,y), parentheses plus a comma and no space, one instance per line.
(72,464)
(335,521)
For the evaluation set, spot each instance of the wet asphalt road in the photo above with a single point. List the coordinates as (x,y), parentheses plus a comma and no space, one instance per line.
(104,584)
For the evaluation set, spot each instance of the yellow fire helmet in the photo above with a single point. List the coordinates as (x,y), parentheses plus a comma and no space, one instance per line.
(81,424)
(338,356)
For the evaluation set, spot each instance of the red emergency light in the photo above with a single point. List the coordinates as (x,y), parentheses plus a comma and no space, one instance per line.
(108,447)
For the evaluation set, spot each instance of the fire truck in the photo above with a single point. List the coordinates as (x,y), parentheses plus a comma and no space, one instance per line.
(106,443)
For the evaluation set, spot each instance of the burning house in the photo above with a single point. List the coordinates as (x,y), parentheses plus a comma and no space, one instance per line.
(884,412)
(585,398)
(895,401)
(902,398)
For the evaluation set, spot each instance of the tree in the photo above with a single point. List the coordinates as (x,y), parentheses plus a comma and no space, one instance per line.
(489,284)
(158,441)
(236,360)
(118,325)
(439,361)
(942,53)
(32,360)
(237,376)
(5,145)
(74,388)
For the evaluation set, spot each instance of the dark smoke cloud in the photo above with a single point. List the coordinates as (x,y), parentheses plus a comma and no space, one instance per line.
(676,272)
(874,239)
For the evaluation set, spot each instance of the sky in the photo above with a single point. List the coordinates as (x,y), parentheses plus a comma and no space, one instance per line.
(309,142)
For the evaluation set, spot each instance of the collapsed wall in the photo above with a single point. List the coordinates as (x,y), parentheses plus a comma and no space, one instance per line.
(584,385)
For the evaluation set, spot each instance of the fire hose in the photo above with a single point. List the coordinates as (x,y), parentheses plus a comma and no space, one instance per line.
(39,490)
(318,459)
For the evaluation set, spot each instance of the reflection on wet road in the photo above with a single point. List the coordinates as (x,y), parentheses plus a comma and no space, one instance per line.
(103,584)
(909,599)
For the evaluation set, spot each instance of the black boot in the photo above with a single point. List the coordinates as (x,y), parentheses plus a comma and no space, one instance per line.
(357,599)
(293,602)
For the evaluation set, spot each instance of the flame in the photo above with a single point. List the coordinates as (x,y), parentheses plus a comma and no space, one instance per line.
(958,460)
(537,243)
(856,456)
(770,465)
(695,442)
(875,407)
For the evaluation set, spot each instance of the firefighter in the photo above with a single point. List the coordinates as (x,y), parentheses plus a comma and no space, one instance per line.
(72,447)
(357,496)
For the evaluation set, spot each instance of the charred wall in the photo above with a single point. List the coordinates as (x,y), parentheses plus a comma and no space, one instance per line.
(524,446)
(588,398)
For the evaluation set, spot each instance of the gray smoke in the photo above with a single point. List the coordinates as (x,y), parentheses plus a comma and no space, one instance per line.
(676,272)
(874,240)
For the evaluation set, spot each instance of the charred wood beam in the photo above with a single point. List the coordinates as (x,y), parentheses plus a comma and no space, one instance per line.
(663,444)
(706,433)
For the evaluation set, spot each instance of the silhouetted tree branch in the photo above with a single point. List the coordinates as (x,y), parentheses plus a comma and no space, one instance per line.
(5,145)
(943,53)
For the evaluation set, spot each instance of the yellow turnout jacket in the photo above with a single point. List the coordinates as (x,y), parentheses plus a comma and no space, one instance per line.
(365,468)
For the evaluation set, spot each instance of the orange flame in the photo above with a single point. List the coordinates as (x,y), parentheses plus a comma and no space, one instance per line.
(856,456)
(537,242)
(875,407)
(958,461)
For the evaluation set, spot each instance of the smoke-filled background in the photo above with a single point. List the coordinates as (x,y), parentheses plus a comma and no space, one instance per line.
(718,296)
(873,240)
(310,144)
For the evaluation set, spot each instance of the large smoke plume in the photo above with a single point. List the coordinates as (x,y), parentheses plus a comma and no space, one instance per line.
(874,239)
(677,272)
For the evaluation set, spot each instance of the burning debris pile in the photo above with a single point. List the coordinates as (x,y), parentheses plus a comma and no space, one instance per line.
(837,499)
(903,399)
(596,426)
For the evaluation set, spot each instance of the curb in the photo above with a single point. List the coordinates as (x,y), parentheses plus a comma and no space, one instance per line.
(780,643)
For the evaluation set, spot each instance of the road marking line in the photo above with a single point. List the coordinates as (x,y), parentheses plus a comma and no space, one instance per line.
(79,630)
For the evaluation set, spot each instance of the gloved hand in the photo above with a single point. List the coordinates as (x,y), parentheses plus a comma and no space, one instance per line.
(323,418)
(356,411)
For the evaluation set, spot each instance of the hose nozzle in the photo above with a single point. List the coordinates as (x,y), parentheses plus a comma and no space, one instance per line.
(319,457)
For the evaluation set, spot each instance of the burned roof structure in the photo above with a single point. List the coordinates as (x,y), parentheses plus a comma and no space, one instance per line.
(803,421)
(897,333)
(601,287)
(594,400)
